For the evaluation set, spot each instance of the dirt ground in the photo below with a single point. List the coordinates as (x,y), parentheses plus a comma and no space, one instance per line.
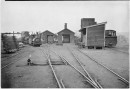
(39,75)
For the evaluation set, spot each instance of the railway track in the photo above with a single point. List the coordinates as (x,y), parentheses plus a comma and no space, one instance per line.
(119,76)
(11,56)
(87,73)
(90,81)
(111,72)
(58,81)
(11,63)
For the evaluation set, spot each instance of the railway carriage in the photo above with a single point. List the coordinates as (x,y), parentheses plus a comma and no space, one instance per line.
(110,38)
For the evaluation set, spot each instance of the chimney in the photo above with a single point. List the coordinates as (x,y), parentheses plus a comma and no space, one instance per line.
(65,26)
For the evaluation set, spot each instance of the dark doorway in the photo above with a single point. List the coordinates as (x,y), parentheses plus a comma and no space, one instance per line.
(50,39)
(66,38)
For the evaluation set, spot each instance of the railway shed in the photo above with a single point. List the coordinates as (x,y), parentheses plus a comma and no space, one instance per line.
(65,35)
(94,35)
(47,37)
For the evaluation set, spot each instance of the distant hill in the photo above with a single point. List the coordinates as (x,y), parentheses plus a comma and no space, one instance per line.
(122,38)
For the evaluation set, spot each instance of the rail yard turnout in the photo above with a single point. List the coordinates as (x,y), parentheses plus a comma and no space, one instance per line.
(45,60)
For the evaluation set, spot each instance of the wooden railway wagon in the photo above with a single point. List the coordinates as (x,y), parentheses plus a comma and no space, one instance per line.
(110,38)
(93,36)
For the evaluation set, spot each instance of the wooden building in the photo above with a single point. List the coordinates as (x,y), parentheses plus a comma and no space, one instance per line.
(65,35)
(93,35)
(87,22)
(47,37)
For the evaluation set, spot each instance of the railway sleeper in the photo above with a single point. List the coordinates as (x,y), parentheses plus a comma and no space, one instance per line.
(46,63)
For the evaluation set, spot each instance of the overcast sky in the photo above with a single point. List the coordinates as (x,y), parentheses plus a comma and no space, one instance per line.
(47,15)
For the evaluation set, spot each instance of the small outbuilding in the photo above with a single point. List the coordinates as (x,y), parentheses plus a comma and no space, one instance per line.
(65,35)
(93,35)
(47,37)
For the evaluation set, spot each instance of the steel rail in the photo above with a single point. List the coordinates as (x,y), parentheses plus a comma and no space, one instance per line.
(60,58)
(11,63)
(123,79)
(16,54)
(48,58)
(98,84)
(88,80)
(84,69)
(10,56)
(62,83)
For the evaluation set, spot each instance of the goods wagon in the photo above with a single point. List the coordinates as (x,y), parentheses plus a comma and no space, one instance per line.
(110,38)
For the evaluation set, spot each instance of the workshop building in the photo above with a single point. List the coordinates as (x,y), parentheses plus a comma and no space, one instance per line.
(47,37)
(93,35)
(65,35)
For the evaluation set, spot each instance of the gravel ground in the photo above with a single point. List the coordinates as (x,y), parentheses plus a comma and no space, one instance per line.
(39,75)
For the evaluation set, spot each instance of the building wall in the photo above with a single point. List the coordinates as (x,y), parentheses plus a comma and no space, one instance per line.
(95,35)
(87,22)
(44,36)
(66,32)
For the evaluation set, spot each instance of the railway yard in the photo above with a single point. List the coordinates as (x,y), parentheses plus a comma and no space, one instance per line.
(67,66)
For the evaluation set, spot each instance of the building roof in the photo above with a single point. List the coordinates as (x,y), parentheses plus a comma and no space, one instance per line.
(48,31)
(64,30)
(93,25)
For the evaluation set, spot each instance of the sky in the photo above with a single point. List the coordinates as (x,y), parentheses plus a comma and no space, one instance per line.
(35,16)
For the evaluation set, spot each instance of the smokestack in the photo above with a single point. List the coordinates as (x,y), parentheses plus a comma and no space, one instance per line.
(65,26)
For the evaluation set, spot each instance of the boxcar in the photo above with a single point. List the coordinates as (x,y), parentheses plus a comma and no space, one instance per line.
(110,38)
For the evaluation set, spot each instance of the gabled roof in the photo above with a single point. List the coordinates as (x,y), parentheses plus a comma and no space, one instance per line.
(93,25)
(48,31)
(64,30)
